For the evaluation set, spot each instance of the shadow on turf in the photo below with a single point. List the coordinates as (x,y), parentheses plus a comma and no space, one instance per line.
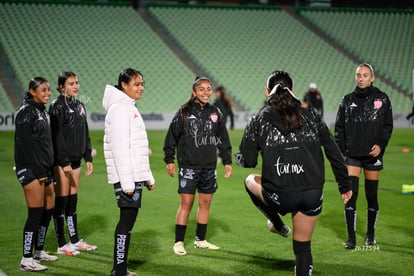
(264,262)
(400,248)
(253,266)
(346,270)
(338,226)
(241,263)
(254,263)
(91,224)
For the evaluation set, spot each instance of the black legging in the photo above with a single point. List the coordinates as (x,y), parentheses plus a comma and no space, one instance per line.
(271,214)
(122,239)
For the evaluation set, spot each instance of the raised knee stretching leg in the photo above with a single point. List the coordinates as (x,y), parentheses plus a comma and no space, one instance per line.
(272,215)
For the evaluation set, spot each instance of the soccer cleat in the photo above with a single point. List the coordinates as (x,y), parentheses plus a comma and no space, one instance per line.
(81,245)
(42,256)
(68,250)
(370,240)
(350,244)
(28,264)
(284,232)
(205,244)
(179,248)
(310,269)
(129,273)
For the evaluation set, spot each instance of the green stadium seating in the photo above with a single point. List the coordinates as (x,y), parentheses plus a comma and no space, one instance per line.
(237,47)
(96,42)
(5,103)
(240,47)
(382,38)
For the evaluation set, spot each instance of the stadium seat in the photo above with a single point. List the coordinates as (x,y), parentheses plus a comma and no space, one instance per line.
(237,47)
(5,103)
(96,42)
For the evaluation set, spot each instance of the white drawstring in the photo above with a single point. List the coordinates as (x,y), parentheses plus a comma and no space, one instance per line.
(275,88)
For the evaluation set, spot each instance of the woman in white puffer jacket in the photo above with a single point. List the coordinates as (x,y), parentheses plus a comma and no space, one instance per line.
(126,151)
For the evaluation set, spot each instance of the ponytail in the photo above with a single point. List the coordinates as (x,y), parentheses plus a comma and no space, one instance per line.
(282,100)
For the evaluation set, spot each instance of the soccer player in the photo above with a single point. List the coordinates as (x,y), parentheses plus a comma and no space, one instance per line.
(289,139)
(126,151)
(71,144)
(33,155)
(196,132)
(363,128)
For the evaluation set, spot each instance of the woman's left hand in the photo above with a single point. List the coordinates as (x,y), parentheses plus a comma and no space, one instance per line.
(150,186)
(171,169)
(346,196)
(228,169)
(375,151)
(89,168)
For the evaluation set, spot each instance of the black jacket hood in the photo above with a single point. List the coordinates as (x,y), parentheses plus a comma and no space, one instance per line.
(273,117)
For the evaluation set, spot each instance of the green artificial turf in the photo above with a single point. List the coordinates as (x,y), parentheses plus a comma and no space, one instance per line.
(246,246)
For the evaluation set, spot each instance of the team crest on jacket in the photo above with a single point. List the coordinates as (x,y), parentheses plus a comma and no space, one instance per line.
(377,104)
(214,117)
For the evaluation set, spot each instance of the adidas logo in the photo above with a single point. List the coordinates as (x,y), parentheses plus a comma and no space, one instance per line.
(353,105)
(378,163)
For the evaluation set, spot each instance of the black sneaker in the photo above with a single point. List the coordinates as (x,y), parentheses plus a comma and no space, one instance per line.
(370,240)
(284,232)
(350,244)
(129,273)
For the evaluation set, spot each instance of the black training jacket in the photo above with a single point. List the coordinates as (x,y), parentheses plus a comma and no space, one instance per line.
(292,161)
(197,138)
(32,139)
(364,118)
(70,131)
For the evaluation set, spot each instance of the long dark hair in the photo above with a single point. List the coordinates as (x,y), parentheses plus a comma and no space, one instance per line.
(126,75)
(34,83)
(223,94)
(282,100)
(186,107)
(63,77)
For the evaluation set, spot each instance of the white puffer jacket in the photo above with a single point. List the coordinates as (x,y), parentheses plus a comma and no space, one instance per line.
(126,147)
